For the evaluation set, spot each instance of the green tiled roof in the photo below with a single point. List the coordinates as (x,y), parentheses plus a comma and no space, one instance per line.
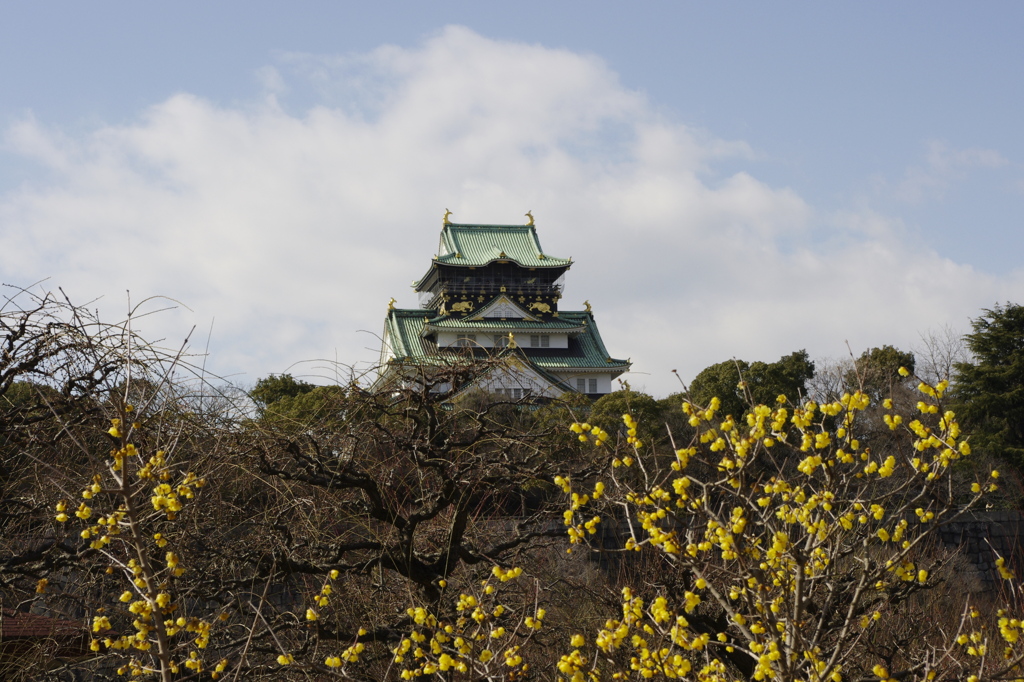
(586,350)
(402,332)
(478,245)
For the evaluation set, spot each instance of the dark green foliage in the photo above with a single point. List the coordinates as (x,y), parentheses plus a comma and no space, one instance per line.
(673,417)
(292,405)
(306,407)
(990,390)
(764,382)
(608,410)
(721,381)
(18,394)
(786,376)
(275,387)
(877,371)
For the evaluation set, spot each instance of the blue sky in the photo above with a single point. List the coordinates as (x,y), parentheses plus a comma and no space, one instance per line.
(733,179)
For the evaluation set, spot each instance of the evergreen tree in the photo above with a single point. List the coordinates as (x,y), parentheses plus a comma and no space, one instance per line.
(990,390)
(270,389)
(764,381)
(292,403)
(877,371)
(608,410)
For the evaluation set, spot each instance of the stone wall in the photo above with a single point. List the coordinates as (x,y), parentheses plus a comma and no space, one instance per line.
(981,538)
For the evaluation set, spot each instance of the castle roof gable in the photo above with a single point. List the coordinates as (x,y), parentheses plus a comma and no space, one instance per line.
(502,307)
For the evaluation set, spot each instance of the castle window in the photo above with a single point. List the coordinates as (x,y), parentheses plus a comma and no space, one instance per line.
(500,340)
(540,341)
(465,340)
(517,393)
(581,385)
(504,310)
(591,385)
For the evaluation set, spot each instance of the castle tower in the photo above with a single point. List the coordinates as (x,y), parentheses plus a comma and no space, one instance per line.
(492,291)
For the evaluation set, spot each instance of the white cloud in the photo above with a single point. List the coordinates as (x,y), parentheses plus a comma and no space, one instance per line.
(943,166)
(28,139)
(294,229)
(271,80)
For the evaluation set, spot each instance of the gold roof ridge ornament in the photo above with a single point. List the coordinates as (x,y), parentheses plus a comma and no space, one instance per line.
(391,304)
(446,214)
(529,215)
(586,304)
(512,340)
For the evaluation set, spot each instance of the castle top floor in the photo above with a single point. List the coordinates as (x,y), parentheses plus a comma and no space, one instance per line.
(485,260)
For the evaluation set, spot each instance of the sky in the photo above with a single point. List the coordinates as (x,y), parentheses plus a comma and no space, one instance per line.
(732,180)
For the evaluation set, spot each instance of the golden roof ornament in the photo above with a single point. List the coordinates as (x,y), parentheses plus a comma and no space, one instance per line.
(529,215)
(446,214)
(512,340)
(391,304)
(586,304)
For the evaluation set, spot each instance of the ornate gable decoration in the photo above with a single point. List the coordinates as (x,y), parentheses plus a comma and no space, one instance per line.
(515,377)
(502,307)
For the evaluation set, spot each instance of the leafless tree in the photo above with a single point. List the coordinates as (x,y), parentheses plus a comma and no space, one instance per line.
(938,352)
